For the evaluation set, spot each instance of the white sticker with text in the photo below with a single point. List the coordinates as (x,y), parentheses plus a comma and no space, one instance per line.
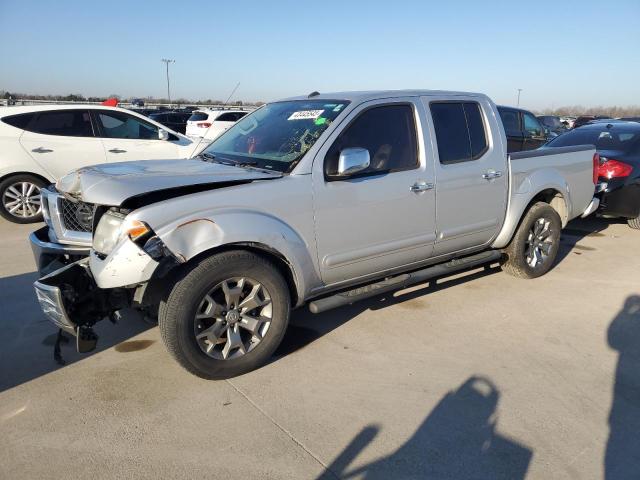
(305,115)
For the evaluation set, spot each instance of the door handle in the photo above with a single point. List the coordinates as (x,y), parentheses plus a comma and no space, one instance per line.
(41,150)
(491,174)
(419,187)
(117,150)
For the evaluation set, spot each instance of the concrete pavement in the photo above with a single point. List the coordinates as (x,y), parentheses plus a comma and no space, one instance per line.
(478,376)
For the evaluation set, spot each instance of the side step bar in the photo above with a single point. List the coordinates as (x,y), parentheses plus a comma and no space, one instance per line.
(403,280)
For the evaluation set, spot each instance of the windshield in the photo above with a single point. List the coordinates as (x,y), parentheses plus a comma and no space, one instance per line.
(277,135)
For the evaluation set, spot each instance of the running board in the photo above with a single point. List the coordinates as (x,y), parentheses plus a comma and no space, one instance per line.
(401,281)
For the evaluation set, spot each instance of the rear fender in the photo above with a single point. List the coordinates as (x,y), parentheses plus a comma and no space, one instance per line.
(524,191)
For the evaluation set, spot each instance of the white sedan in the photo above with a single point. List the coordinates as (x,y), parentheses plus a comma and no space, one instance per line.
(39,144)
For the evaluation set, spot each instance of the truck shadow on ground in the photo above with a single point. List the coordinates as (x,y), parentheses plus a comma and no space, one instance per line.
(622,457)
(579,229)
(306,327)
(457,440)
(28,337)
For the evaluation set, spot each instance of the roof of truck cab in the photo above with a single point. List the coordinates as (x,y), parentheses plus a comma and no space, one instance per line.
(363,96)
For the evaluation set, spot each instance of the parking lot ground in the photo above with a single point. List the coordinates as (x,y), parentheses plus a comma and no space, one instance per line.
(479,376)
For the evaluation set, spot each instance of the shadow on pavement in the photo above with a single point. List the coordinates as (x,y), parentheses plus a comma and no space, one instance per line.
(305,327)
(622,458)
(28,337)
(457,440)
(577,230)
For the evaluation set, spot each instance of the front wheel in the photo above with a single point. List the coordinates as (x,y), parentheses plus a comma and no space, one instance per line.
(634,222)
(534,246)
(226,315)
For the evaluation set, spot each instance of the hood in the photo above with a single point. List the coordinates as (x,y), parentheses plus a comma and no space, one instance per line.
(113,183)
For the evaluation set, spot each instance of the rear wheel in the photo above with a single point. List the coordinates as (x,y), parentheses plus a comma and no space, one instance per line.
(20,199)
(634,222)
(226,316)
(535,244)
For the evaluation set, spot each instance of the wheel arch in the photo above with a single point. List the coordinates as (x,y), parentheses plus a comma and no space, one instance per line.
(190,239)
(551,195)
(283,265)
(33,174)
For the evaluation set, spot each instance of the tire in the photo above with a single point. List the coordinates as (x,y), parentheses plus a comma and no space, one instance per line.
(20,198)
(634,222)
(201,291)
(525,260)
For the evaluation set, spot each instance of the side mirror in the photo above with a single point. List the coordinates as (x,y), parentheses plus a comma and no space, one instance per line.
(163,134)
(352,160)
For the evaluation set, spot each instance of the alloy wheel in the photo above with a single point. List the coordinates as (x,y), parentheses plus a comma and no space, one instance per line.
(539,243)
(22,200)
(233,318)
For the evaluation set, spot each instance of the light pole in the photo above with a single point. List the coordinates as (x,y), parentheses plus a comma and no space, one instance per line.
(519,90)
(167,62)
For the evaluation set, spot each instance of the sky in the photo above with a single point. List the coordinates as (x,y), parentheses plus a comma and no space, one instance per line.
(559,53)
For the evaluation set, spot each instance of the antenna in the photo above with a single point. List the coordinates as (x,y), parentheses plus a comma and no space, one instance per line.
(231,94)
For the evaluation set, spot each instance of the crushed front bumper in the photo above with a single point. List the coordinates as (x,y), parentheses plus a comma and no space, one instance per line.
(49,291)
(72,301)
(50,256)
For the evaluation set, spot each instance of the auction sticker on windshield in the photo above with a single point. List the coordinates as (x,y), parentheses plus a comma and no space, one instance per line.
(305,115)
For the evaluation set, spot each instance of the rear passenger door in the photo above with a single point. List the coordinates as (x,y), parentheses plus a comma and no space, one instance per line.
(471,173)
(61,141)
(383,217)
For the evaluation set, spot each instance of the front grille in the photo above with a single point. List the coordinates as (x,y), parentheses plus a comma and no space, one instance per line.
(76,216)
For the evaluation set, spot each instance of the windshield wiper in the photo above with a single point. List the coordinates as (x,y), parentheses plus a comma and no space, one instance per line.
(206,155)
(227,161)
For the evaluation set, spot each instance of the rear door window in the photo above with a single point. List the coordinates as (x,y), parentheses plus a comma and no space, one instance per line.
(228,117)
(19,121)
(460,131)
(531,124)
(510,120)
(387,132)
(67,123)
(198,116)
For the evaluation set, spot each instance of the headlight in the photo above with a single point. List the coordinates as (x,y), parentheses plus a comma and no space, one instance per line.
(114,226)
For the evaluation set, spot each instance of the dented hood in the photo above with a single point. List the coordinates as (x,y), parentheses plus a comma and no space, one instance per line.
(113,183)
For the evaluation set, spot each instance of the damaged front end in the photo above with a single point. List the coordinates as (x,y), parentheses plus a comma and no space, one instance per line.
(70,298)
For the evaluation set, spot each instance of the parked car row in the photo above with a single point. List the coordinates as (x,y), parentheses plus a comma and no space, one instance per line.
(40,144)
(321,200)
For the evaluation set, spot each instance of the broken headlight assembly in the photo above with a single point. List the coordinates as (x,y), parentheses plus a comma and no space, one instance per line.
(113,227)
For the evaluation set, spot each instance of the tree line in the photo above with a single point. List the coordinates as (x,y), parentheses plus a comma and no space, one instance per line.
(78,97)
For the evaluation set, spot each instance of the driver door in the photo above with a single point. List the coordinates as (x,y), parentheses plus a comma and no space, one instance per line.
(383,217)
(126,137)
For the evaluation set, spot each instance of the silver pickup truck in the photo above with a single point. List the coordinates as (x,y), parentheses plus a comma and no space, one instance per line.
(322,201)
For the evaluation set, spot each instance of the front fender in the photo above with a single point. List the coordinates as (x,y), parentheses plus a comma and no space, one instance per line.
(192,236)
(524,190)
